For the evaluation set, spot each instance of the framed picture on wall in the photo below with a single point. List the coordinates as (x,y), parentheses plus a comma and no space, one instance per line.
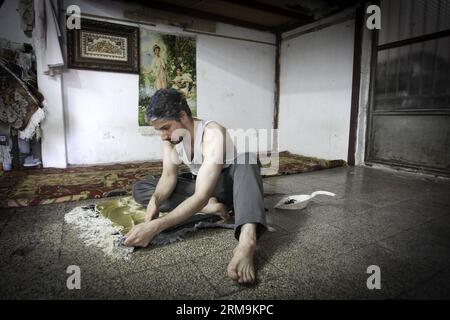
(103,46)
(167,61)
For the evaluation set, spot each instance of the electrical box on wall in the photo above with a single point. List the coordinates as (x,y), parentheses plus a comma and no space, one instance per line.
(3,140)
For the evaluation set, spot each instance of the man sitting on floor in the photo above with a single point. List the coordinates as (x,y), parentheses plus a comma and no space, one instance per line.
(220,178)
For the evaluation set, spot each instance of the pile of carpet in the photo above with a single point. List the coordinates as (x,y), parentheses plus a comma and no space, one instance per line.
(31,187)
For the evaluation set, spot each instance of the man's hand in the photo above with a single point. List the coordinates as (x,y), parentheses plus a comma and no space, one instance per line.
(152,212)
(141,234)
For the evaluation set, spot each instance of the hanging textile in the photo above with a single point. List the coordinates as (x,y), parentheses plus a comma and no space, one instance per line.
(19,96)
(47,35)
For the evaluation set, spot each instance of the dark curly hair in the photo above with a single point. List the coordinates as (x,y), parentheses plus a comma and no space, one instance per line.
(167,104)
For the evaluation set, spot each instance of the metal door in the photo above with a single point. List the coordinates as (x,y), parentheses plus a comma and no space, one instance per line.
(409,113)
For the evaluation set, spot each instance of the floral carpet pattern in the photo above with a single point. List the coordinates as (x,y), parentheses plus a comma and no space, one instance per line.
(32,187)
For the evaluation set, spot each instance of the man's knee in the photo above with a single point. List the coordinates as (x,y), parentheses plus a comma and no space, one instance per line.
(143,190)
(250,158)
(136,189)
(245,170)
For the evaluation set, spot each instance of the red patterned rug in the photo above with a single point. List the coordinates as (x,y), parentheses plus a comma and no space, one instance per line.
(33,187)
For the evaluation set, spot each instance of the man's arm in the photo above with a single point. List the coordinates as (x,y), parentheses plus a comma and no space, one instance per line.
(166,183)
(208,175)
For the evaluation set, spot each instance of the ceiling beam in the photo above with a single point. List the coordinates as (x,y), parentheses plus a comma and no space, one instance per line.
(291,26)
(272,9)
(296,24)
(201,14)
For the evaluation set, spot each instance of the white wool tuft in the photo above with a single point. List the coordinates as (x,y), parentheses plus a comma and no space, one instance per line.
(96,230)
(33,125)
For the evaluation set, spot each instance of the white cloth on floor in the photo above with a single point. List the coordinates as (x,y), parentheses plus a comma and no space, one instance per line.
(47,35)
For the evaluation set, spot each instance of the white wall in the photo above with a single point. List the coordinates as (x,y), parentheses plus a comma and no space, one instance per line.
(235,87)
(54,151)
(236,81)
(315,91)
(10,23)
(53,135)
(98,120)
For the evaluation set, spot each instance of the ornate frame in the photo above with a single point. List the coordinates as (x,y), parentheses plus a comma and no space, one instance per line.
(103,46)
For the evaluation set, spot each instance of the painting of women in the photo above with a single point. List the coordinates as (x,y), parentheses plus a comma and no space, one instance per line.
(159,69)
(166,61)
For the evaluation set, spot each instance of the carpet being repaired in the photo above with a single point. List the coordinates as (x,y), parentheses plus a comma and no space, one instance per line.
(104,225)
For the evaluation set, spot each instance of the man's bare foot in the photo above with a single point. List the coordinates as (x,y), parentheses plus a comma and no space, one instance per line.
(241,267)
(216,207)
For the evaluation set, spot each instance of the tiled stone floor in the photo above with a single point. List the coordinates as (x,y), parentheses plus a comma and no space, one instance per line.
(397,221)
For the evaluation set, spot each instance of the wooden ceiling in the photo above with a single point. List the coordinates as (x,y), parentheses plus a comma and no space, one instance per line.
(265,15)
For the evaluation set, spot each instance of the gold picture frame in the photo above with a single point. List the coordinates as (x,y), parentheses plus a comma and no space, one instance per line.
(103,46)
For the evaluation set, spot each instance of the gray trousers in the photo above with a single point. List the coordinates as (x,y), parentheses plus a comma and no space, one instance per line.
(239,187)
